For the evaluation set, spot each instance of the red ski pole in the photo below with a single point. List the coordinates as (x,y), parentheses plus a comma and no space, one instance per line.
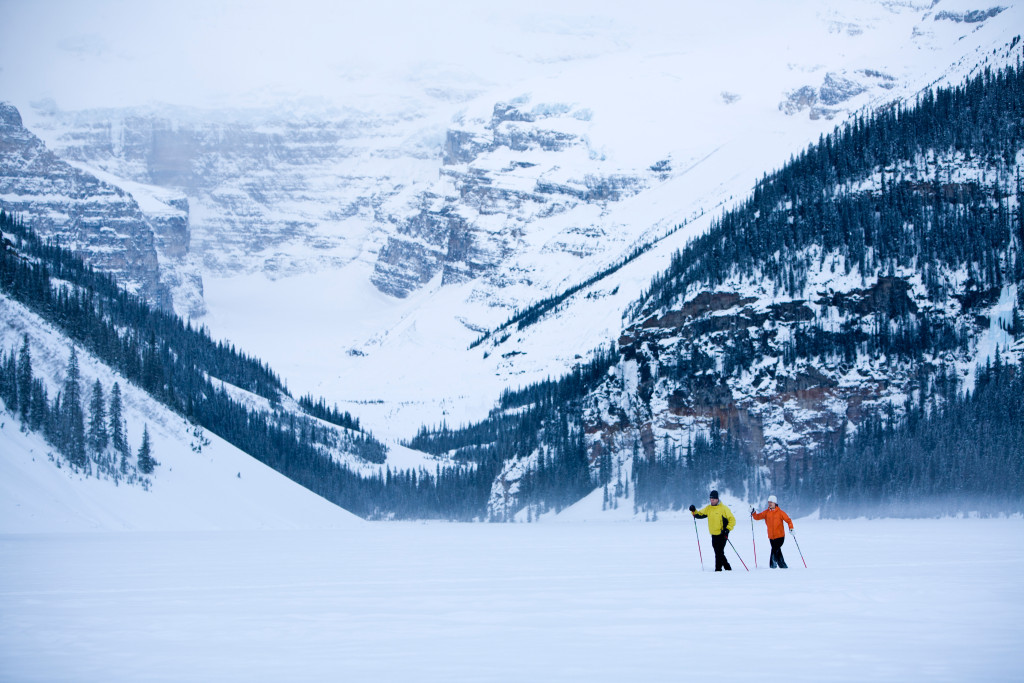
(698,544)
(738,554)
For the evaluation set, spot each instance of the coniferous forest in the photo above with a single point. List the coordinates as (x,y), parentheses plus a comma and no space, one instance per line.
(881,197)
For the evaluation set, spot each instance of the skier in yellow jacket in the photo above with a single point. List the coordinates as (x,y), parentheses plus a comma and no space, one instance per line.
(720,522)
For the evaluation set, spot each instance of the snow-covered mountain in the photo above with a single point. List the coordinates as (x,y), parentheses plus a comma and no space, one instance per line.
(348,246)
(857,292)
(373,256)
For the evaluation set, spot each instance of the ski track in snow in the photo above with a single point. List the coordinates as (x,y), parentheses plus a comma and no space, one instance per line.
(935,600)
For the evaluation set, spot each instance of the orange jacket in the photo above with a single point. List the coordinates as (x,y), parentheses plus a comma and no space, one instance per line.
(774,519)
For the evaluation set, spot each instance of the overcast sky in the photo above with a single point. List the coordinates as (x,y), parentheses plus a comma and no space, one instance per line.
(615,56)
(83,53)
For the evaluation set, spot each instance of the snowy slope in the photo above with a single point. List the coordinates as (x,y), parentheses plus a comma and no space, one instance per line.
(218,487)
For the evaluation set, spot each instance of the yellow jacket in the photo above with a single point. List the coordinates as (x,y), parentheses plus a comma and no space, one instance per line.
(718,516)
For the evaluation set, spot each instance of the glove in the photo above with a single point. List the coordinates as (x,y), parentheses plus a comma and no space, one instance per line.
(751,512)
(693,508)
(725,534)
(791,528)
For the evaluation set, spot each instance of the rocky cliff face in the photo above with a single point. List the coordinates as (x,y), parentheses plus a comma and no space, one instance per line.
(502,178)
(836,93)
(269,191)
(682,381)
(481,201)
(96,219)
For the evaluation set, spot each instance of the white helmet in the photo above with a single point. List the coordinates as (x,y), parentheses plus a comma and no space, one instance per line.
(773,499)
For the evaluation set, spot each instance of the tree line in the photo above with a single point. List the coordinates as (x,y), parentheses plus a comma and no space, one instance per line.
(949,451)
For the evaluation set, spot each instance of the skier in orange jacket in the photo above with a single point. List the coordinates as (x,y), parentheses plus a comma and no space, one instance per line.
(775,519)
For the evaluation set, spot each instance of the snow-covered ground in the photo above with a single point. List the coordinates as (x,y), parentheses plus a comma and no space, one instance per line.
(935,600)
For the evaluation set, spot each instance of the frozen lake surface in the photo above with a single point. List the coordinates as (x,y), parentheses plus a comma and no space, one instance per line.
(937,600)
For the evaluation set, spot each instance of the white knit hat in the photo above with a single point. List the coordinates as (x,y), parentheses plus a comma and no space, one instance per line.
(773,499)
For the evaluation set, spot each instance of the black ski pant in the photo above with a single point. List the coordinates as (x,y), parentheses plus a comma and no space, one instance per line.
(718,543)
(777,559)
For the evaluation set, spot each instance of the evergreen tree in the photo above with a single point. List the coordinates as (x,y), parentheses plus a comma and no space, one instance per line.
(40,414)
(72,427)
(24,381)
(9,381)
(146,462)
(98,435)
(116,419)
